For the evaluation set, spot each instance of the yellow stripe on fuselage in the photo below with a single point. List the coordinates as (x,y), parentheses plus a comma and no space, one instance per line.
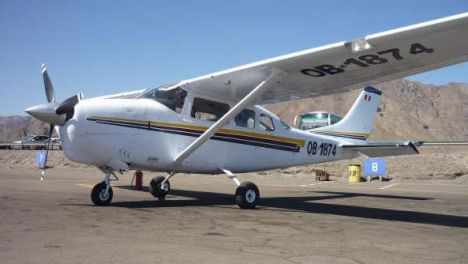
(232,132)
(112,119)
(227,131)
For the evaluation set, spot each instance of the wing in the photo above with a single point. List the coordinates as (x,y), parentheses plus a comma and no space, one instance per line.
(344,65)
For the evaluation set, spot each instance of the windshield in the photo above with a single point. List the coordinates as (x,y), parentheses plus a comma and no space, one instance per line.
(173,99)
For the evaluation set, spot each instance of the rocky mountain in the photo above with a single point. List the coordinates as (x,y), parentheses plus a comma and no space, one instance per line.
(16,127)
(409,110)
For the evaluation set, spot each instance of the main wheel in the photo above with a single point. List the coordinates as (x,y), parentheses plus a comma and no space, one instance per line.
(247,195)
(99,196)
(156,190)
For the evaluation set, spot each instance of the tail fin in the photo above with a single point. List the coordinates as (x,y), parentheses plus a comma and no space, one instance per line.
(359,121)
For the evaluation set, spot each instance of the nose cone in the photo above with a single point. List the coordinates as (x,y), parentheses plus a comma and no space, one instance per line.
(45,113)
(36,110)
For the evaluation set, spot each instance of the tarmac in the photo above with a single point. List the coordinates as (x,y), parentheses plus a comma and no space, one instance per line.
(297,221)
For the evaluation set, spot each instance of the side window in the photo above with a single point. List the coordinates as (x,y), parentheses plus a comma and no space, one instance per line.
(266,123)
(246,118)
(203,109)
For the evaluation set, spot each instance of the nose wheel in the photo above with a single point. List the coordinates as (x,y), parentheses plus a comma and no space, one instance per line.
(159,187)
(247,195)
(102,194)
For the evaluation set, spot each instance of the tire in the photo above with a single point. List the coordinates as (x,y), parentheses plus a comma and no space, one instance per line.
(155,187)
(247,195)
(98,194)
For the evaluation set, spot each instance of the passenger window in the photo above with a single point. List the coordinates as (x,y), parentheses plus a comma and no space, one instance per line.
(246,118)
(203,109)
(266,123)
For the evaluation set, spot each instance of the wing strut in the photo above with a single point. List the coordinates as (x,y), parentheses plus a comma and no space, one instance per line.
(243,103)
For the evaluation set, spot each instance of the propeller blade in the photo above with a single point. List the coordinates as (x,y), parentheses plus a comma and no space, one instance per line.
(49,88)
(49,140)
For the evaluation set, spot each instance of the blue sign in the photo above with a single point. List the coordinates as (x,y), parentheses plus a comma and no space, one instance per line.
(41,159)
(374,168)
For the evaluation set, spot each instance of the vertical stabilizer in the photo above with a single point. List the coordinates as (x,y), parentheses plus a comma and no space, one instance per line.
(359,121)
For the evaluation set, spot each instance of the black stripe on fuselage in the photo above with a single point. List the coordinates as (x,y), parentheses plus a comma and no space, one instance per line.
(245,140)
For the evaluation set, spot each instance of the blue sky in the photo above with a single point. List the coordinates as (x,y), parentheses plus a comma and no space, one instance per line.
(103,47)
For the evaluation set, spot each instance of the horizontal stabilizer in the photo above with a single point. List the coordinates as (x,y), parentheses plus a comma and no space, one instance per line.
(382,149)
(396,148)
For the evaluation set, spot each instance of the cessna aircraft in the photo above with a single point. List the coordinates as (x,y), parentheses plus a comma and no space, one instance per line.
(214,124)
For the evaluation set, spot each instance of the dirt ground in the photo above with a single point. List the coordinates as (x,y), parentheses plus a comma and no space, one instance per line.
(298,220)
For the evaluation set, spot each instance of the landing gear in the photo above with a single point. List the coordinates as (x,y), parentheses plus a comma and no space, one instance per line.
(159,187)
(102,194)
(247,195)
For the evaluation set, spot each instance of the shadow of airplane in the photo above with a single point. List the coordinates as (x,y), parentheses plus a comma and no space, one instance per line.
(308,204)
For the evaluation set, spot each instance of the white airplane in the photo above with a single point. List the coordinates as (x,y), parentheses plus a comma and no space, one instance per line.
(214,124)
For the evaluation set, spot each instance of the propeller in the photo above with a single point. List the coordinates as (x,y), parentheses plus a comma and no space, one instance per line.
(56,114)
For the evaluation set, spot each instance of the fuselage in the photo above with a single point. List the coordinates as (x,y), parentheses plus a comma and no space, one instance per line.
(144,134)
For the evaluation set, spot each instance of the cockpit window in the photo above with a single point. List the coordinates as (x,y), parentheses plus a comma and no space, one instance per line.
(173,99)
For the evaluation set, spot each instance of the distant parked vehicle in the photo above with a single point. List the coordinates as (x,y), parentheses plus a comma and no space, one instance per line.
(34,142)
(311,120)
(34,139)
